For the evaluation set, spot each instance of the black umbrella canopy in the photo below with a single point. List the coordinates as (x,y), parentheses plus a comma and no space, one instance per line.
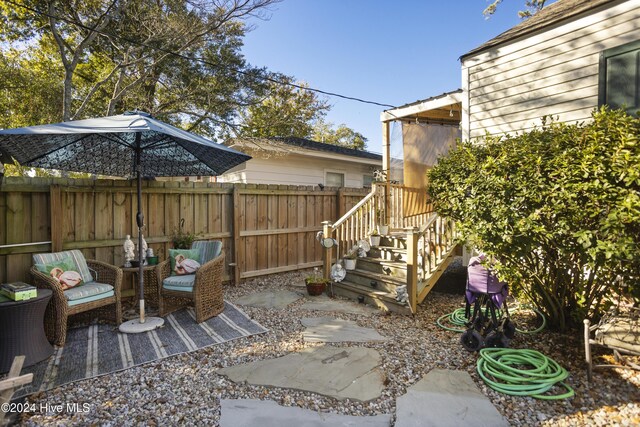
(108,146)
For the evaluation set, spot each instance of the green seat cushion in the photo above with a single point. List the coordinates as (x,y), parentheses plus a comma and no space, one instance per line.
(184,281)
(76,256)
(186,289)
(209,249)
(184,261)
(91,298)
(64,271)
(87,291)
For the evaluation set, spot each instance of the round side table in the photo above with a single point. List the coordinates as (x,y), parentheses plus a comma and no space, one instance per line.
(22,330)
(150,283)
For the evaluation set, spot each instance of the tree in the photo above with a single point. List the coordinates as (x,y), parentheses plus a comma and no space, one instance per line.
(116,55)
(558,208)
(286,111)
(30,90)
(533,7)
(343,136)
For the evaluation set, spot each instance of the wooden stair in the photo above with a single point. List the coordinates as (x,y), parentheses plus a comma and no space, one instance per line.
(377,276)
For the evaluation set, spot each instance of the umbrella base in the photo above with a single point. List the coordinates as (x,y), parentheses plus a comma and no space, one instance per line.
(135,327)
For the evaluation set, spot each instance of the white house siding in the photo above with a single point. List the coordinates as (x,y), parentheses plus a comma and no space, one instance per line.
(294,169)
(553,71)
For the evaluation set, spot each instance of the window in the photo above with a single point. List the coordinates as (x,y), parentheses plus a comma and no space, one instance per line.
(619,77)
(334,179)
(367,180)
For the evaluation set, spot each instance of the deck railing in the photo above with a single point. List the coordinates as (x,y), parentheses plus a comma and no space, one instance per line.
(427,248)
(408,207)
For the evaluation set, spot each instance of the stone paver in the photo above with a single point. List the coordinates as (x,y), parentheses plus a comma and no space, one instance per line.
(324,303)
(446,398)
(328,329)
(269,299)
(342,373)
(263,413)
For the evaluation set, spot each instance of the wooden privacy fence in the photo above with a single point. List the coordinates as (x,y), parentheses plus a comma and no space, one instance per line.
(264,228)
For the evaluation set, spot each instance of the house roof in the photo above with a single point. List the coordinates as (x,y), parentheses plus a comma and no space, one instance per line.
(556,12)
(317,146)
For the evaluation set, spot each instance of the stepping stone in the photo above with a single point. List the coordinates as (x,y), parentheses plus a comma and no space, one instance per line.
(342,373)
(263,413)
(324,303)
(269,299)
(453,400)
(328,329)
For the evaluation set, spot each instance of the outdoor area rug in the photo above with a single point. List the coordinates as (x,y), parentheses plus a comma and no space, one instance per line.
(99,349)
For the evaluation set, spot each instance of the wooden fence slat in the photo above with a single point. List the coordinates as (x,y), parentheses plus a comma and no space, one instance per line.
(283,222)
(18,231)
(262,241)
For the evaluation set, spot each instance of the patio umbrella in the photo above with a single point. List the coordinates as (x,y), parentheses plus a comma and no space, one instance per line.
(128,145)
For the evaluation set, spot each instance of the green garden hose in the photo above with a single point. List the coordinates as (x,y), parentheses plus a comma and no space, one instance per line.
(535,310)
(458,319)
(522,372)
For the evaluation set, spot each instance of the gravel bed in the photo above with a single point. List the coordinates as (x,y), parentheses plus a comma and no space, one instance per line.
(185,389)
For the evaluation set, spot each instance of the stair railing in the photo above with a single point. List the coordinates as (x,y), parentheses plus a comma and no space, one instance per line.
(427,247)
(355,225)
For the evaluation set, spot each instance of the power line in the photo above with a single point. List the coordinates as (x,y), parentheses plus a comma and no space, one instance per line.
(189,58)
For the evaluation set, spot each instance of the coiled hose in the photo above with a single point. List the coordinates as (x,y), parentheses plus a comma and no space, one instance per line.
(503,369)
(458,320)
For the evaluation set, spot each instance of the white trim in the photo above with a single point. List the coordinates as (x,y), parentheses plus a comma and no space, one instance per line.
(464,113)
(432,104)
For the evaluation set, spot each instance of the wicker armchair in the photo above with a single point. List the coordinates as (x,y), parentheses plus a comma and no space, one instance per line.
(106,278)
(203,289)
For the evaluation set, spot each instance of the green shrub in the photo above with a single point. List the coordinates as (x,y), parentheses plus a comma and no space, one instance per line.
(558,207)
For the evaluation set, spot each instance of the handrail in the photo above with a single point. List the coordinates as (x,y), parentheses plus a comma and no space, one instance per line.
(354,209)
(429,247)
(428,224)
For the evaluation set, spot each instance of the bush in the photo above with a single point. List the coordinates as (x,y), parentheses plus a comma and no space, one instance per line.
(558,207)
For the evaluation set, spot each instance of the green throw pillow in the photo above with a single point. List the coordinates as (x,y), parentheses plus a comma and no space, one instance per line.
(63,271)
(184,261)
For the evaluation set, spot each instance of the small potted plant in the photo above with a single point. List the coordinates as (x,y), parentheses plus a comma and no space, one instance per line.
(383,228)
(374,237)
(316,284)
(350,259)
(180,238)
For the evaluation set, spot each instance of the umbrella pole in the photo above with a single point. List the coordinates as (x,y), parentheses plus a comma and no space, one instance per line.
(141,256)
(142,324)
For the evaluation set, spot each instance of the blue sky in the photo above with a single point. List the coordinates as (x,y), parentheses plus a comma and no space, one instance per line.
(392,52)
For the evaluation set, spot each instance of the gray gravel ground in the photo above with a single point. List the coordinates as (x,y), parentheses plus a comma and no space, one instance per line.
(185,390)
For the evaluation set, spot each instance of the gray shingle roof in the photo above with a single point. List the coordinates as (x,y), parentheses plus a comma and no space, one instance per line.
(320,146)
(317,146)
(556,12)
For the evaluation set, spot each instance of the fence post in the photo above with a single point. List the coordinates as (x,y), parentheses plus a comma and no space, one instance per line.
(327,252)
(341,203)
(56,222)
(412,267)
